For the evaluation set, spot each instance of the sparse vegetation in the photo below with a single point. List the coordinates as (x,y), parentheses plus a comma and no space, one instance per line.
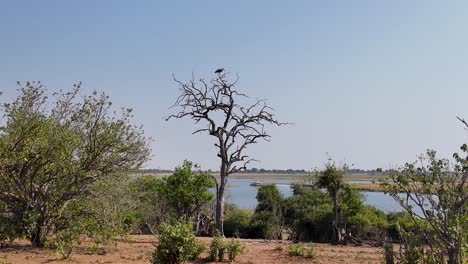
(438,190)
(234,248)
(279,248)
(310,252)
(389,254)
(217,248)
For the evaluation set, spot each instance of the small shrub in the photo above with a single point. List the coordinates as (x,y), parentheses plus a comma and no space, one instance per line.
(198,249)
(177,244)
(221,253)
(279,248)
(296,250)
(310,252)
(234,248)
(389,254)
(217,248)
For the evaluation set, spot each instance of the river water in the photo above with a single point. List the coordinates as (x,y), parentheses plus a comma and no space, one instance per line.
(240,193)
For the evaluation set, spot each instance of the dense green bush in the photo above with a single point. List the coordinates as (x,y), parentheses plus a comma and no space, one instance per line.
(177,244)
(186,191)
(237,222)
(268,218)
(181,195)
(308,214)
(150,209)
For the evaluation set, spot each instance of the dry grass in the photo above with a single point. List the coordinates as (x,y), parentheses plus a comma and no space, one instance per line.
(370,187)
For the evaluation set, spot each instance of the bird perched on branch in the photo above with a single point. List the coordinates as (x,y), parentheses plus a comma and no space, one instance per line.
(218,71)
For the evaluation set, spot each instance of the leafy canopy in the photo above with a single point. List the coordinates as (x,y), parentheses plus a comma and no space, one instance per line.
(52,151)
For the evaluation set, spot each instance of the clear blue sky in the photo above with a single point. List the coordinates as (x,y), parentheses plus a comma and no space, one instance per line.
(373,83)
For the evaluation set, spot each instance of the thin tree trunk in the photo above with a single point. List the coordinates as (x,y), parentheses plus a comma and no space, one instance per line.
(220,206)
(337,237)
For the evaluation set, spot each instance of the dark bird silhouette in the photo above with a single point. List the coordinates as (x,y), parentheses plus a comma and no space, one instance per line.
(218,71)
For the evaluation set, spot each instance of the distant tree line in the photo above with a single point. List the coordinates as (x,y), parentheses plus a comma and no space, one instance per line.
(272,171)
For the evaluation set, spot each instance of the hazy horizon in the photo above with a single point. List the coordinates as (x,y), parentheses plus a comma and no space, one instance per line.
(371,84)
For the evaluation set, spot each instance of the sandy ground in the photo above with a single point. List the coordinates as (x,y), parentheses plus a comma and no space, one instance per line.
(140,248)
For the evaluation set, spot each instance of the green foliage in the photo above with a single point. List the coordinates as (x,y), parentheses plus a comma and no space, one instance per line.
(64,242)
(310,253)
(301,251)
(53,151)
(435,197)
(237,222)
(269,214)
(296,250)
(331,178)
(150,208)
(351,203)
(217,248)
(308,214)
(414,249)
(389,254)
(177,244)
(234,248)
(181,195)
(269,198)
(186,191)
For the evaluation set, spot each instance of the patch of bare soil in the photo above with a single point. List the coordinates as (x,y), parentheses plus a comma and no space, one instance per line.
(140,248)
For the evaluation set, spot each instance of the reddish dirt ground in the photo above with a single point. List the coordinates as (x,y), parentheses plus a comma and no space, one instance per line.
(140,248)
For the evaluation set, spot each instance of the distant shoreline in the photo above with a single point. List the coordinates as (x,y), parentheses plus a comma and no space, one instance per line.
(365,186)
(279,176)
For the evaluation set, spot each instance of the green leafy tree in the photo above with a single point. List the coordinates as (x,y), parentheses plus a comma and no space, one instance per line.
(331,178)
(187,191)
(237,222)
(269,213)
(434,192)
(150,209)
(53,150)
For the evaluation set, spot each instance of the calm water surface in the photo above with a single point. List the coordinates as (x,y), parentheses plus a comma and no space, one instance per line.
(240,193)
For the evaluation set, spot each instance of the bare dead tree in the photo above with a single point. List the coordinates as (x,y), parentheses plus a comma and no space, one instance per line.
(216,104)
